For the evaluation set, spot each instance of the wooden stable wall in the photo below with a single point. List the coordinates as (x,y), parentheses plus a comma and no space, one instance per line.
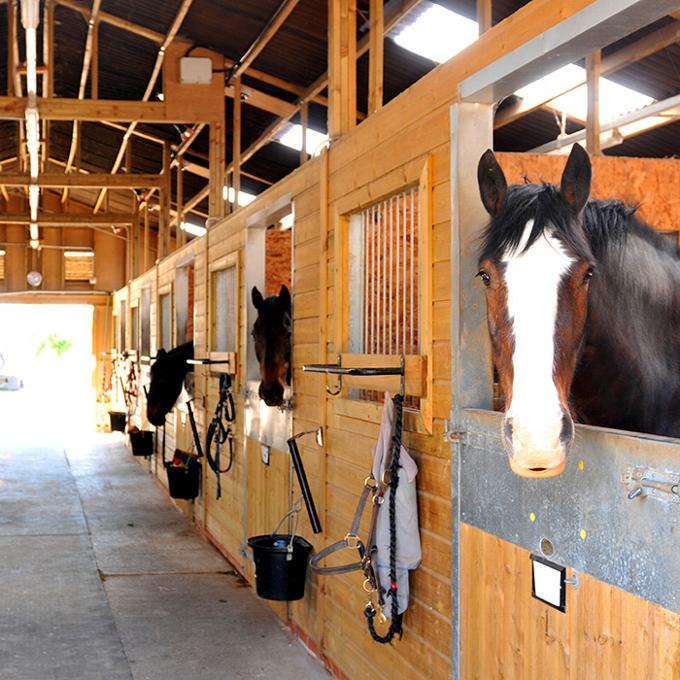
(650,183)
(397,147)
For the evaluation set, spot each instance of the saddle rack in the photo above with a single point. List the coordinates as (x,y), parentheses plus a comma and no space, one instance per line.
(356,371)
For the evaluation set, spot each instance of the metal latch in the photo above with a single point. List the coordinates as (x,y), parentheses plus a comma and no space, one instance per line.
(644,481)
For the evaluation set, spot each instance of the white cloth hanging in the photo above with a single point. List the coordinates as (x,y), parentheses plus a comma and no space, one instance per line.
(408,532)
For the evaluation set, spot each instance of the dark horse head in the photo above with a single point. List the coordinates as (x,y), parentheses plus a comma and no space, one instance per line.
(167,375)
(272,336)
(536,264)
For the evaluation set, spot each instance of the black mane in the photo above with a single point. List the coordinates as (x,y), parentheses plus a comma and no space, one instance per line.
(606,224)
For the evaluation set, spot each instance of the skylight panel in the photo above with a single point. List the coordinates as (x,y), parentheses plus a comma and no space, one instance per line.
(292,138)
(434,32)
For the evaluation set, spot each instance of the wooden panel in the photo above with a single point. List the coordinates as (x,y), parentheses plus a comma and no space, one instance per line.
(605,632)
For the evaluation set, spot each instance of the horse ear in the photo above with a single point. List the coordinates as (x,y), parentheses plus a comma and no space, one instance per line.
(257,297)
(284,296)
(492,183)
(575,184)
(160,354)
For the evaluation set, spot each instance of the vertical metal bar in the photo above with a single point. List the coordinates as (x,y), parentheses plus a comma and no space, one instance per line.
(403,311)
(411,282)
(390,333)
(373,296)
(384,275)
(398,282)
(364,263)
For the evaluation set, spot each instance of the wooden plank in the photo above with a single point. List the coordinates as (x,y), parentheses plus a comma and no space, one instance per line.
(236,137)
(593,70)
(51,180)
(71,219)
(375,56)
(342,47)
(484,15)
(116,110)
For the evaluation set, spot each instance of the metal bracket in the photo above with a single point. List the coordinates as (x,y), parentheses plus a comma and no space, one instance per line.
(645,481)
(450,435)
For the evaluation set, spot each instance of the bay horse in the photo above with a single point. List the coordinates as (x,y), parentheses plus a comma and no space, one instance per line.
(583,312)
(167,377)
(272,335)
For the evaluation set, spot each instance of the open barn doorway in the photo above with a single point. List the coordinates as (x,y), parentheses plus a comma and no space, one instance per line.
(46,385)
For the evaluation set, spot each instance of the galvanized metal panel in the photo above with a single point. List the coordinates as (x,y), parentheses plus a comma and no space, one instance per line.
(592,524)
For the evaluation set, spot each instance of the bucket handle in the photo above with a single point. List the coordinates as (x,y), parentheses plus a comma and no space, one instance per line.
(295,510)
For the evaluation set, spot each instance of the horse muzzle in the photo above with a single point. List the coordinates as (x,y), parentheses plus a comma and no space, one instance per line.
(541,453)
(271,392)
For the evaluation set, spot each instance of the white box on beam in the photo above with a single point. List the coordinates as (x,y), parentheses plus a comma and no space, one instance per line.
(195,71)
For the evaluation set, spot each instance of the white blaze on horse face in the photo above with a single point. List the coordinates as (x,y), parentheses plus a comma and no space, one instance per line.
(532,279)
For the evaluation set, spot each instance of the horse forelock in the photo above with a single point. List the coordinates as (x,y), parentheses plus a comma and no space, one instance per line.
(543,207)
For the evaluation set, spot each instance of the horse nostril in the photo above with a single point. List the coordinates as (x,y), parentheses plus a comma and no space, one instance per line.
(538,469)
(567,432)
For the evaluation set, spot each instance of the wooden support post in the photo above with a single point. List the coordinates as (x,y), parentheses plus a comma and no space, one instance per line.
(145,258)
(11,37)
(375,57)
(304,121)
(128,156)
(342,47)
(236,134)
(136,241)
(94,74)
(593,71)
(216,153)
(179,196)
(164,212)
(484,15)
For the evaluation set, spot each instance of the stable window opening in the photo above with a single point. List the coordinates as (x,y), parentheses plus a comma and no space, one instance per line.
(224,317)
(145,323)
(184,304)
(165,319)
(123,325)
(79,267)
(134,311)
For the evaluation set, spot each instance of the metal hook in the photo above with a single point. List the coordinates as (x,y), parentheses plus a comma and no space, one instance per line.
(333,392)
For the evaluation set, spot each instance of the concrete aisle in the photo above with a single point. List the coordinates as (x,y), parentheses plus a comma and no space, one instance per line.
(101,578)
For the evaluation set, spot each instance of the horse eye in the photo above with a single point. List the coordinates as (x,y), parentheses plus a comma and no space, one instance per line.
(486,279)
(588,275)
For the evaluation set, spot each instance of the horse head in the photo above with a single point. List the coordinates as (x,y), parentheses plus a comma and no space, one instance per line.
(272,335)
(536,266)
(167,376)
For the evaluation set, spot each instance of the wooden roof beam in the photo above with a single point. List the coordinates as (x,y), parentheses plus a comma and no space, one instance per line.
(84,75)
(640,49)
(98,110)
(172,32)
(268,32)
(84,181)
(391,19)
(70,220)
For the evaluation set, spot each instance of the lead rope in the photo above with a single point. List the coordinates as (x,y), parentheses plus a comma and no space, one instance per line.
(369,610)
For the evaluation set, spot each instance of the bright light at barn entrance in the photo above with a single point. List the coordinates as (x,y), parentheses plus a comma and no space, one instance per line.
(292,138)
(48,350)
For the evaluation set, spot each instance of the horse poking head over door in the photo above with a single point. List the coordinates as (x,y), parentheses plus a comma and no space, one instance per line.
(167,376)
(272,335)
(583,310)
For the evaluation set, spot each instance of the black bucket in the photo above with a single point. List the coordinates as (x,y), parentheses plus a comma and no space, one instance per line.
(117,420)
(141,442)
(183,479)
(276,577)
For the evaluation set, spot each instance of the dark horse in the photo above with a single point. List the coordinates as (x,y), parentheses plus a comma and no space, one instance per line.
(583,309)
(167,376)
(272,336)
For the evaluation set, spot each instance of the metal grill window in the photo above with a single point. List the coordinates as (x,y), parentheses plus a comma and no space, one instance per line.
(135,328)
(123,325)
(224,326)
(2,265)
(384,273)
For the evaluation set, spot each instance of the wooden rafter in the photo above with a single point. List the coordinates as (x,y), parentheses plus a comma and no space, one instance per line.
(176,24)
(593,72)
(269,31)
(375,57)
(70,220)
(83,181)
(391,19)
(640,49)
(84,75)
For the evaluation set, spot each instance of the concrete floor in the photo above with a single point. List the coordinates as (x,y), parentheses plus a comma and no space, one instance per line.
(101,577)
